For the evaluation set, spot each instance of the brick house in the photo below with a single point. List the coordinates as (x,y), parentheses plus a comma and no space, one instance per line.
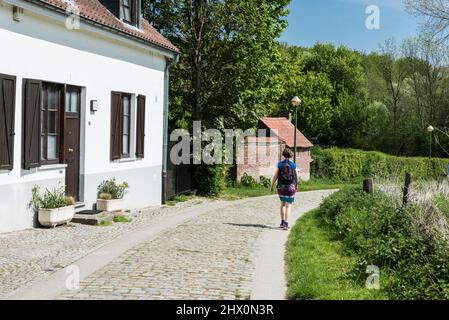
(260,154)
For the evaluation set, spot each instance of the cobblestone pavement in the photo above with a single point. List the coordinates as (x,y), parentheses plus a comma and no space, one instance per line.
(207,257)
(31,255)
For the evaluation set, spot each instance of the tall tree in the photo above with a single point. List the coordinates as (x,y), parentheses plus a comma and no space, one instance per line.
(427,61)
(437,14)
(394,72)
(229,56)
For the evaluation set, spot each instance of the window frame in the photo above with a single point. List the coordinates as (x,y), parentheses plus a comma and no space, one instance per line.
(132,11)
(44,122)
(140,115)
(131,128)
(72,89)
(124,155)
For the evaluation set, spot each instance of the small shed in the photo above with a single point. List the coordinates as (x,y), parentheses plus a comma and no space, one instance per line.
(261,155)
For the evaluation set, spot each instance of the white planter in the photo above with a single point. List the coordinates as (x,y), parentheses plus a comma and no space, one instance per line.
(54,217)
(110,205)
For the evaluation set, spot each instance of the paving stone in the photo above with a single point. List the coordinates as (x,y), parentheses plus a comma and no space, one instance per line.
(210,256)
(31,255)
(207,257)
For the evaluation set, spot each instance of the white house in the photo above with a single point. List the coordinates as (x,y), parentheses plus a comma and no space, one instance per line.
(83,98)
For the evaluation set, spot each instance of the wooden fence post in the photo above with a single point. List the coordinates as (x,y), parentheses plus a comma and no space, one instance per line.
(368,186)
(408,182)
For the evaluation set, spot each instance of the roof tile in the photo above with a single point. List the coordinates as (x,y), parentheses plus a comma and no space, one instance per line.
(286,131)
(97,12)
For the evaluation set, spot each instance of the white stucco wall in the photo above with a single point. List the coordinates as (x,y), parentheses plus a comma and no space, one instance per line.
(40,47)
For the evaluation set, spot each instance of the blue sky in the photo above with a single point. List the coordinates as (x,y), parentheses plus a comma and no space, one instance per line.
(343,22)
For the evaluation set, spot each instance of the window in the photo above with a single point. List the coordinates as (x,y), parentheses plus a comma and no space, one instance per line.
(7,116)
(46,108)
(71,100)
(50,123)
(127,126)
(129,11)
(140,127)
(120,125)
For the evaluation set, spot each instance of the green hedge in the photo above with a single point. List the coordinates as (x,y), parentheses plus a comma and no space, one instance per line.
(211,180)
(349,164)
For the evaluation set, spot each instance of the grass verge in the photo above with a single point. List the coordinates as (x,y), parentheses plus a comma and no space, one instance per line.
(442,204)
(326,184)
(241,192)
(179,199)
(318,268)
(120,218)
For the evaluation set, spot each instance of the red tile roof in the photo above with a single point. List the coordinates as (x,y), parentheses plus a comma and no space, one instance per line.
(267,140)
(286,132)
(95,11)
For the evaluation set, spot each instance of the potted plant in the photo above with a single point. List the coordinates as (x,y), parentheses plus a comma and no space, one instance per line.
(110,195)
(53,207)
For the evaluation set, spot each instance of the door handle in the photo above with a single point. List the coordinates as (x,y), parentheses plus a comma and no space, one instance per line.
(70,150)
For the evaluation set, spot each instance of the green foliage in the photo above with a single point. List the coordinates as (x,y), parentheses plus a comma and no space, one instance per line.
(237,191)
(376,231)
(248,181)
(179,198)
(332,85)
(265,182)
(348,164)
(113,188)
(230,57)
(211,180)
(317,267)
(105,223)
(50,199)
(121,219)
(381,101)
(442,204)
(326,184)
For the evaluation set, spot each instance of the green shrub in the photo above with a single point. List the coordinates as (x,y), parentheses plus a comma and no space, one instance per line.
(248,181)
(211,180)
(348,164)
(113,188)
(378,232)
(265,182)
(50,199)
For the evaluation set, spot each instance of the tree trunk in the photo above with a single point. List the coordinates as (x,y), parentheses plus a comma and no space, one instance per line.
(197,86)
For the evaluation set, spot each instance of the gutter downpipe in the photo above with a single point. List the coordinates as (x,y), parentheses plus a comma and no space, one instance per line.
(165,126)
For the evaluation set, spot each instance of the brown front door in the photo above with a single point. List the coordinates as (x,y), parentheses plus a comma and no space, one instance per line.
(71,140)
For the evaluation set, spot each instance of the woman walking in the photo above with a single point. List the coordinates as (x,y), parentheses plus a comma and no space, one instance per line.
(287,182)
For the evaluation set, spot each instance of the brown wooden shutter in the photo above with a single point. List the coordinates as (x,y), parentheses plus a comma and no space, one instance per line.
(31,124)
(140,131)
(116,117)
(7,117)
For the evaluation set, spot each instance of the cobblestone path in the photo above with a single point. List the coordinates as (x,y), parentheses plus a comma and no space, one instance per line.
(207,257)
(31,255)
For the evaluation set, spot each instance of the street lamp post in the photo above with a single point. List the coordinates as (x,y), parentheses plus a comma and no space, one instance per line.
(295,103)
(430,130)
